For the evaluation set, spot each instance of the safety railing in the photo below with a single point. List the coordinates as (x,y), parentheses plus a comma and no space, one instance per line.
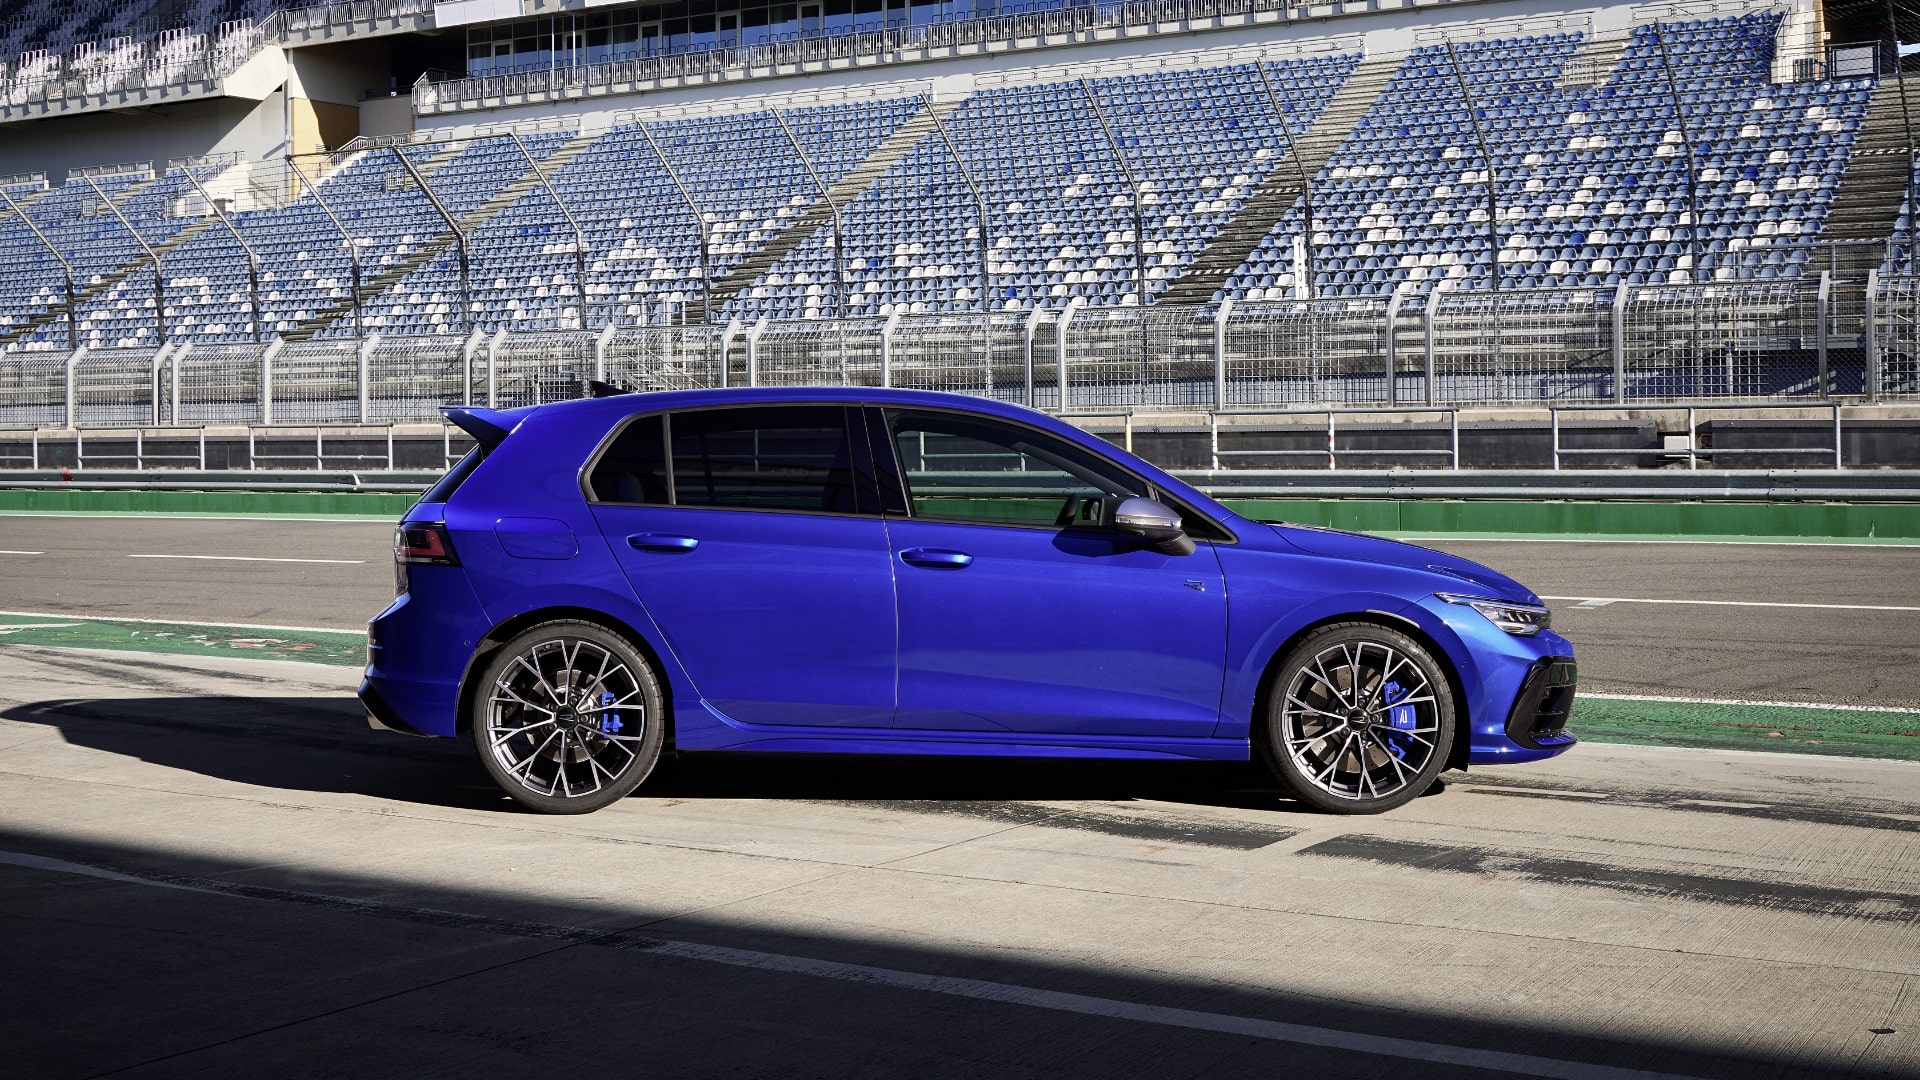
(171,58)
(1555,348)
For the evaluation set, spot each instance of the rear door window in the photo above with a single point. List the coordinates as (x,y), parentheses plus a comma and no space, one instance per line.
(782,457)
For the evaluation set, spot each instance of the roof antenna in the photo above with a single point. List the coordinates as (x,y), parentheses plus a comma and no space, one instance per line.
(596,388)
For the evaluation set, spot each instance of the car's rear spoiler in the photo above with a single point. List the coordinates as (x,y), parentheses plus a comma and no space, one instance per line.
(488,427)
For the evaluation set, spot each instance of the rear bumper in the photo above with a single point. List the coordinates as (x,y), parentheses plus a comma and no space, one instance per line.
(380,715)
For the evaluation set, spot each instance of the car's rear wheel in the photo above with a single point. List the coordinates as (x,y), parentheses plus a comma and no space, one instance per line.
(567,717)
(1360,719)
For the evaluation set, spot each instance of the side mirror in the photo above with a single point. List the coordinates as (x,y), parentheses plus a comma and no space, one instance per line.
(1154,523)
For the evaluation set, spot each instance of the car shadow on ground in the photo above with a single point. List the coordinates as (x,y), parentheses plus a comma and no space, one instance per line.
(323,744)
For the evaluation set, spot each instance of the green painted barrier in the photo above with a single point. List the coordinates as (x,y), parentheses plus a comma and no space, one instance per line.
(222,503)
(1431,517)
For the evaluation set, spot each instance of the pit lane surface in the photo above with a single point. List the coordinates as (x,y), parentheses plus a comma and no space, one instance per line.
(1850,645)
(210,867)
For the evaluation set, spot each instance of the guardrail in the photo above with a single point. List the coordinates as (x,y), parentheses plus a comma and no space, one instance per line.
(261,449)
(1780,485)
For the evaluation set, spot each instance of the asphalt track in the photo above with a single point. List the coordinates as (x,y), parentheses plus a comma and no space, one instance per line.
(1809,623)
(210,867)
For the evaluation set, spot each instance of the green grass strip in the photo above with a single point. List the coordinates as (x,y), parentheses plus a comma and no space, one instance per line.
(310,647)
(1792,729)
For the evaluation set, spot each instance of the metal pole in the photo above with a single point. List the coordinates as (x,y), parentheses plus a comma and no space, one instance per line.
(1906,119)
(979,202)
(1300,167)
(579,235)
(1427,358)
(1220,318)
(253,260)
(459,236)
(346,238)
(839,250)
(1493,199)
(159,276)
(1873,335)
(66,268)
(1820,328)
(1693,173)
(1620,343)
(1139,223)
(699,222)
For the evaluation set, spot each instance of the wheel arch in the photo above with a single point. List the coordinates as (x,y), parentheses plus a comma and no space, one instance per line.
(508,628)
(1257,723)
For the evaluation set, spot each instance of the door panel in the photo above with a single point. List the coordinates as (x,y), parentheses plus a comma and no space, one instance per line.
(1043,631)
(759,558)
(1010,622)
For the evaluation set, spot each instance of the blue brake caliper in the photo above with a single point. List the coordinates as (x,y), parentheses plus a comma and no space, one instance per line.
(609,722)
(1400,718)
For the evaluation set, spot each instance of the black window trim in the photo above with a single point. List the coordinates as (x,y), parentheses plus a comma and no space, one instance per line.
(882,442)
(860,452)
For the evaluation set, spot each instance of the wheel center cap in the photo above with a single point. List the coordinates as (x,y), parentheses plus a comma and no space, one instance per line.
(1358,718)
(566,717)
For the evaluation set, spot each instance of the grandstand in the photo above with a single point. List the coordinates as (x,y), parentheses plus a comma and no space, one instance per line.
(1205,205)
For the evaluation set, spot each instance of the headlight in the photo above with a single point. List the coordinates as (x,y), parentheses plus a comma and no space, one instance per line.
(1522,620)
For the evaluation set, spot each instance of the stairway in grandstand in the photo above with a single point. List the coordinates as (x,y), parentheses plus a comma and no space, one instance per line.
(1282,187)
(102,284)
(441,243)
(1867,204)
(849,187)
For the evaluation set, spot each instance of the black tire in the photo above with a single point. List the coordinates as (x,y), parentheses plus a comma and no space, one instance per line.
(1363,753)
(568,717)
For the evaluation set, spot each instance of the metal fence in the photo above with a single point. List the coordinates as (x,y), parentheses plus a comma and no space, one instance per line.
(1763,342)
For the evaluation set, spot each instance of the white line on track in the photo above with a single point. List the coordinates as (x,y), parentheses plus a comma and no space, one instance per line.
(1746,701)
(95,617)
(249,558)
(1601,601)
(975,989)
(22,553)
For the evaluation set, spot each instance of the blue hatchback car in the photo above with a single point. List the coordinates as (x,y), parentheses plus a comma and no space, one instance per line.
(851,570)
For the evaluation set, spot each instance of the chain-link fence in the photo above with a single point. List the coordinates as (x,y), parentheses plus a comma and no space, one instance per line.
(216,384)
(1781,342)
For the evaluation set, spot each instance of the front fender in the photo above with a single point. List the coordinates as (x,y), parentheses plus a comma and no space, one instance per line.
(1262,642)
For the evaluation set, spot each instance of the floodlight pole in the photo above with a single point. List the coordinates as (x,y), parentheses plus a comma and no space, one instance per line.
(1693,172)
(1300,167)
(159,275)
(839,251)
(1139,222)
(253,260)
(700,222)
(459,236)
(346,238)
(579,235)
(66,268)
(979,202)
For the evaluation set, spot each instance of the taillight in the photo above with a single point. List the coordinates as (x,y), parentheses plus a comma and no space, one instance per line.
(420,544)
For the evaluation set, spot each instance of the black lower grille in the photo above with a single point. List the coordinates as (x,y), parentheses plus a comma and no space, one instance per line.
(1539,717)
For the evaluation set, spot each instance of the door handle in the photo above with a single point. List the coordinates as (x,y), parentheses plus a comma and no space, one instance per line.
(661,542)
(936,559)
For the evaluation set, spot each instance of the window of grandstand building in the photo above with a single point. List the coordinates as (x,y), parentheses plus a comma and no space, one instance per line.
(694,25)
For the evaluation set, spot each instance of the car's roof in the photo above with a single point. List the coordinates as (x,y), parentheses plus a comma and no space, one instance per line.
(623,404)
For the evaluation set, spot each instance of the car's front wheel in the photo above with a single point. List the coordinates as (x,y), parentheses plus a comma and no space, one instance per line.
(1360,719)
(567,717)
